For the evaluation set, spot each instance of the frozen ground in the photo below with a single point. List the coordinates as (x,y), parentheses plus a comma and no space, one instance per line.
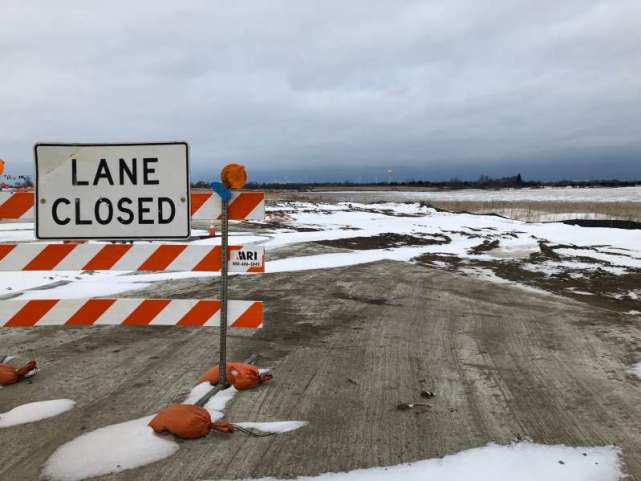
(559,258)
(523,331)
(548,194)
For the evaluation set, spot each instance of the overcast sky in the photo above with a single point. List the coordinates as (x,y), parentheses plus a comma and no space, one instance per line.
(332,89)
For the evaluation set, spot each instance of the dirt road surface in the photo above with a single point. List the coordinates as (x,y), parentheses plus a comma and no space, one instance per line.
(346,346)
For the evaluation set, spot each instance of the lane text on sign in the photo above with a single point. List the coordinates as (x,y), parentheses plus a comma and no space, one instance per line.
(112,191)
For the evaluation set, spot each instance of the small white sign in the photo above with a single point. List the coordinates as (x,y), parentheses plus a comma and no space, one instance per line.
(246,258)
(112,191)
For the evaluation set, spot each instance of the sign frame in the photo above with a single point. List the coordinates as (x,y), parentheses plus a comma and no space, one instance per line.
(187,235)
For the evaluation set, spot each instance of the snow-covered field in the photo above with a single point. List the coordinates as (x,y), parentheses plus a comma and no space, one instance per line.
(547,194)
(549,256)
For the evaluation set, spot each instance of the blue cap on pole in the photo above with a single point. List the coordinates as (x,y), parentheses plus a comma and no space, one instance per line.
(221,190)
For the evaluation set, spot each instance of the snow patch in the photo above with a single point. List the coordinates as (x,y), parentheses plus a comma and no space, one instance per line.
(490,276)
(274,427)
(110,449)
(636,370)
(133,443)
(523,461)
(35,411)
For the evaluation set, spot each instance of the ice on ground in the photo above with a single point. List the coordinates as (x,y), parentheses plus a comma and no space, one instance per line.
(523,461)
(636,370)
(273,427)
(35,411)
(110,449)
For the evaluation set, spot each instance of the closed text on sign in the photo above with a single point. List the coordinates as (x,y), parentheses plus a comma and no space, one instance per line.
(112,191)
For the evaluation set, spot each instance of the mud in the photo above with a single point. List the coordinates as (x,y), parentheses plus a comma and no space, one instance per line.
(347,346)
(385,241)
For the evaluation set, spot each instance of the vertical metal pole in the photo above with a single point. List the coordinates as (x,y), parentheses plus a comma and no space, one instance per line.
(222,365)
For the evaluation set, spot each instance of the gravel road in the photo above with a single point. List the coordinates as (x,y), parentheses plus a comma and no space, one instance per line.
(347,346)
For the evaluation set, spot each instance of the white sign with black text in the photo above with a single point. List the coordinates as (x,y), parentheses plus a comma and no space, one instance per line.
(112,191)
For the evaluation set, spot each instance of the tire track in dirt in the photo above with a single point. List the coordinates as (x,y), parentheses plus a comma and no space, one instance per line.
(502,361)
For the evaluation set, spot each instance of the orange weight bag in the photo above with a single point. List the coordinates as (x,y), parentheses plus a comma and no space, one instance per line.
(241,376)
(187,421)
(11,375)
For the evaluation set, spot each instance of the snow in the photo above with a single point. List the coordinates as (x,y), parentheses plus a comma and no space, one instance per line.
(636,370)
(17,232)
(490,276)
(234,239)
(558,194)
(613,250)
(110,449)
(327,261)
(274,427)
(522,461)
(132,444)
(105,284)
(35,411)
(124,446)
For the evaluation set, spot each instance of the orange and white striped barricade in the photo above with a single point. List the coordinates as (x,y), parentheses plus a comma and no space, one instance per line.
(128,312)
(205,205)
(37,256)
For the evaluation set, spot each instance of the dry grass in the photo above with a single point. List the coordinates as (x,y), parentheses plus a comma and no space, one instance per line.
(537,211)
(526,210)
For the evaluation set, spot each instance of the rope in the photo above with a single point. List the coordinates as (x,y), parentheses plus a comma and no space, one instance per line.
(252,432)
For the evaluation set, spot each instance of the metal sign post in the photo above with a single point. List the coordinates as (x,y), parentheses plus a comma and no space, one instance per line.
(225,196)
(224,294)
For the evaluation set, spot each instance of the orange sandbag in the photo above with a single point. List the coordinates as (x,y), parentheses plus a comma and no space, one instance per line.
(186,421)
(8,374)
(233,176)
(241,376)
(11,375)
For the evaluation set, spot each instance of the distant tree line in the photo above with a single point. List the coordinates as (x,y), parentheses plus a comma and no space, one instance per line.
(483,182)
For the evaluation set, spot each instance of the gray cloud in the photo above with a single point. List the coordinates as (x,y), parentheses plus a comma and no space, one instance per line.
(292,87)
